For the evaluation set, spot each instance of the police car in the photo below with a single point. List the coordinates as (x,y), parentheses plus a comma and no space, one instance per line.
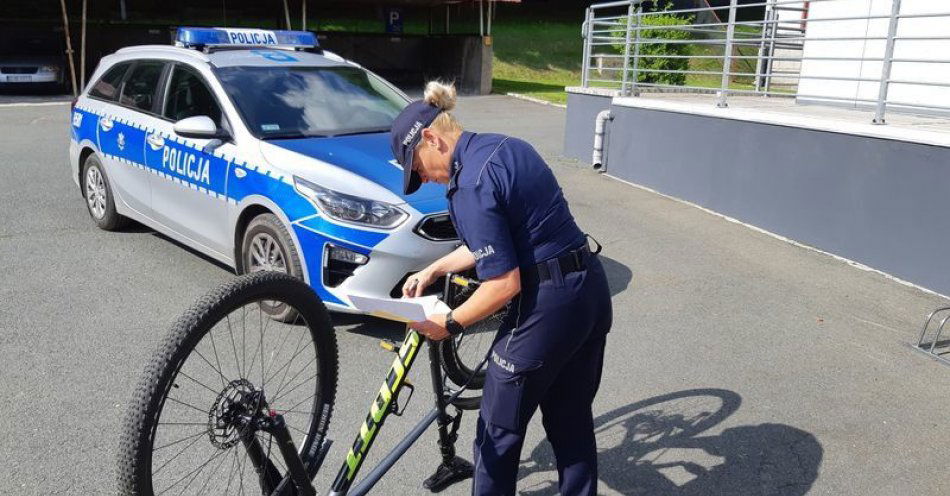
(262,151)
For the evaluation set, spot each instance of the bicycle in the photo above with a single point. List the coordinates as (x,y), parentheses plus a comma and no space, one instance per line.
(279,421)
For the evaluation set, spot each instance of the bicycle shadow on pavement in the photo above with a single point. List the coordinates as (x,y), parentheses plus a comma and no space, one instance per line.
(658,446)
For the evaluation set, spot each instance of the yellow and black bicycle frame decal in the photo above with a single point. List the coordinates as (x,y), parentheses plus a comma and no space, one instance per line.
(379,409)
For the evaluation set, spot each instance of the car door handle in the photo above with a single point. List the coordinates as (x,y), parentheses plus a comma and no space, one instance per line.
(239,173)
(105,123)
(156,141)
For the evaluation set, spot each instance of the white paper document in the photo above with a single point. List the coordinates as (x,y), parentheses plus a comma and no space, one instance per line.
(401,310)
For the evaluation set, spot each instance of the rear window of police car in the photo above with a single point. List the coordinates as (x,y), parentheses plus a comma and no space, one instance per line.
(107,88)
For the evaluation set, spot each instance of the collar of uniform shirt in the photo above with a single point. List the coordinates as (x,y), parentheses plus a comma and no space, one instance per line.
(457,165)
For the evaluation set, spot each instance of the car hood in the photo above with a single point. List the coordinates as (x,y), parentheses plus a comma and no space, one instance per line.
(366,155)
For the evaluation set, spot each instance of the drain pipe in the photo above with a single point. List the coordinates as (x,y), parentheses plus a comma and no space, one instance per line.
(600,125)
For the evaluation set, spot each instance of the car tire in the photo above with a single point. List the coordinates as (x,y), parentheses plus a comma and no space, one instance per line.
(267,245)
(97,192)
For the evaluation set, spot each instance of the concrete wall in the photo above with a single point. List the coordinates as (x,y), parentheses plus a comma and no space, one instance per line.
(582,109)
(874,49)
(879,202)
(411,60)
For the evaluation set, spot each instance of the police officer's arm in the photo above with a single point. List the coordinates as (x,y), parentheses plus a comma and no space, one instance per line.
(457,261)
(490,296)
(481,212)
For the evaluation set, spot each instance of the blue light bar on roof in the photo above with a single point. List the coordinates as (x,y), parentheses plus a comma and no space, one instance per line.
(189,37)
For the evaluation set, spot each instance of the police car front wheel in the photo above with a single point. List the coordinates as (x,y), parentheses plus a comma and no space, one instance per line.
(98,195)
(267,246)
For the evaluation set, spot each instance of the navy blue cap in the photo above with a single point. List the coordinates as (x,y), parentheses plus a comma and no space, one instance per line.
(406,134)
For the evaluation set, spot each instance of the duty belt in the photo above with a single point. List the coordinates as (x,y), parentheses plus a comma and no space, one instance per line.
(572,261)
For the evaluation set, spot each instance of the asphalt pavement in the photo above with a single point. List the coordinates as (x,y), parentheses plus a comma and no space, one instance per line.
(738,363)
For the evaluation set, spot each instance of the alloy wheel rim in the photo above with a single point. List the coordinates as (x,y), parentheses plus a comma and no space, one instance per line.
(96,192)
(265,254)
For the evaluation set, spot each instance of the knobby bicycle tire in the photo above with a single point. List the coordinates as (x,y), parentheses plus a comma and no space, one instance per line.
(460,364)
(144,415)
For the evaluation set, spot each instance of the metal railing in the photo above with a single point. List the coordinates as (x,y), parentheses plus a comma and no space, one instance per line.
(779,49)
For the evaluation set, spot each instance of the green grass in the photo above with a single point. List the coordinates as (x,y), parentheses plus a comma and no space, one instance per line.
(536,58)
(540,58)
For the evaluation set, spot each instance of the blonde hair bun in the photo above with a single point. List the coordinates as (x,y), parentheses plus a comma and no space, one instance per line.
(440,95)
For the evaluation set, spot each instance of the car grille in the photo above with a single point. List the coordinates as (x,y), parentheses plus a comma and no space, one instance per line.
(437,228)
(18,70)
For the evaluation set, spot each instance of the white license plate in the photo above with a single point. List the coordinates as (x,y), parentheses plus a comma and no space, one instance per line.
(19,79)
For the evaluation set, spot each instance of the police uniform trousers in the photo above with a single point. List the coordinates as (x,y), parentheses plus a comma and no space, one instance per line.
(549,354)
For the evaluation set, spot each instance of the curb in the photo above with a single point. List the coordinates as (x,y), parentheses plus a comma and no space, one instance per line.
(535,100)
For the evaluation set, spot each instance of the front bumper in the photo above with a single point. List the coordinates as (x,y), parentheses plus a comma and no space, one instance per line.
(392,256)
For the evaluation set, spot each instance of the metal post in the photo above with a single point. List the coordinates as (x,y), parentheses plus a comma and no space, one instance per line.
(481,20)
(69,48)
(727,55)
(634,88)
(759,65)
(888,62)
(626,49)
(585,33)
(770,60)
(303,15)
(82,49)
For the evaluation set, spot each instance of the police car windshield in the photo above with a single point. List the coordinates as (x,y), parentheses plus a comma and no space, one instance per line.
(300,102)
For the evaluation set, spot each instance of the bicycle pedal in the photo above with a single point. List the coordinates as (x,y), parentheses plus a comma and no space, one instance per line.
(388,345)
(447,474)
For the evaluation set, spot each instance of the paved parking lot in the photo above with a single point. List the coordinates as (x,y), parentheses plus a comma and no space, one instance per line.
(738,364)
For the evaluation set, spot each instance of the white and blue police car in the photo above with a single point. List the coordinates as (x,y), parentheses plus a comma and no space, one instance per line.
(261,151)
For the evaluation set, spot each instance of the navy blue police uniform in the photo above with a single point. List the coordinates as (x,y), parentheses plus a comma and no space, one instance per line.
(549,352)
(510,212)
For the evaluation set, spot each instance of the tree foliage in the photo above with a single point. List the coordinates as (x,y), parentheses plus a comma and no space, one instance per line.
(656,26)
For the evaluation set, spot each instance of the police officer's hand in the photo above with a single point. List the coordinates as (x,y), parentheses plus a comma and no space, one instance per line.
(434,328)
(418,282)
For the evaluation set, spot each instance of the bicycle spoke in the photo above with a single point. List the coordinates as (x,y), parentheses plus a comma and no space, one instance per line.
(244,341)
(227,490)
(260,347)
(211,476)
(237,363)
(277,353)
(192,436)
(196,381)
(202,466)
(159,469)
(216,359)
(305,367)
(302,401)
(187,404)
(297,351)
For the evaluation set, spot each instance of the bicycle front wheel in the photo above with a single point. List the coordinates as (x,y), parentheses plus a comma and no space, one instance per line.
(224,365)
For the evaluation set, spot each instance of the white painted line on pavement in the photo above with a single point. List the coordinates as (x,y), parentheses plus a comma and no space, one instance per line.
(779,237)
(535,100)
(33,104)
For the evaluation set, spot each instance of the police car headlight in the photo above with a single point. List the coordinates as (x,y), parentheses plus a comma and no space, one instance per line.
(349,208)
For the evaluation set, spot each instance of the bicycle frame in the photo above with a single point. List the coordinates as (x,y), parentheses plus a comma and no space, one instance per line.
(379,410)
(451,469)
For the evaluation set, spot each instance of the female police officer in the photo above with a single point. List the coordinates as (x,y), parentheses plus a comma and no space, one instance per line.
(522,240)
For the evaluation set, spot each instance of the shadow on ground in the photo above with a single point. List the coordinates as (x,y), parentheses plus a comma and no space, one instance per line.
(657,446)
(618,275)
(370,326)
(508,85)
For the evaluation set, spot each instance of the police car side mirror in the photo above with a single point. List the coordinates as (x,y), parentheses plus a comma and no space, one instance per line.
(200,127)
